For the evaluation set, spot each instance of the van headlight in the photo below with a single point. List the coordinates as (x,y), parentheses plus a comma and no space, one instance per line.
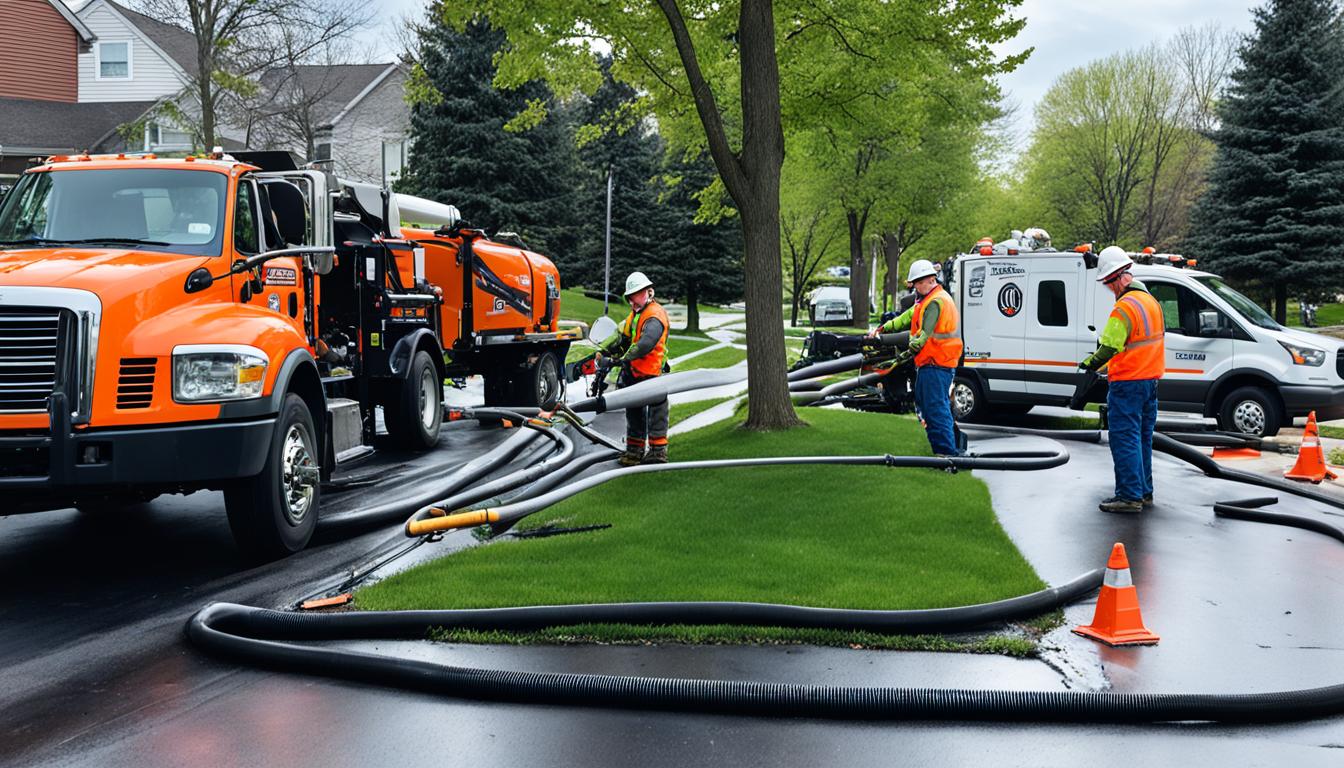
(204,373)
(1304,355)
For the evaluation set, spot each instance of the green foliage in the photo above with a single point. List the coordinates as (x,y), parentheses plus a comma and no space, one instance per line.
(463,153)
(1274,212)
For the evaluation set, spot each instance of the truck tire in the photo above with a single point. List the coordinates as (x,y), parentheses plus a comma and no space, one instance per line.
(1250,410)
(968,399)
(414,407)
(541,384)
(274,513)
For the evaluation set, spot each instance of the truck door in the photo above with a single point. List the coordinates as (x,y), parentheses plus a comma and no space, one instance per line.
(295,212)
(996,300)
(1053,315)
(1193,361)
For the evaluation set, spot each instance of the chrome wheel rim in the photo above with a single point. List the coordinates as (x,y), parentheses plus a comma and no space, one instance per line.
(299,476)
(963,399)
(1249,417)
(429,399)
(549,382)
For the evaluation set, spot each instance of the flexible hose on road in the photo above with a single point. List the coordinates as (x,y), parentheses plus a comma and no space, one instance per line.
(259,636)
(504,483)
(1249,509)
(827,367)
(808,398)
(512,512)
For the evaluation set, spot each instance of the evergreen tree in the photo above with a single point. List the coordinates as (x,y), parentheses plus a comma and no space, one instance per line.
(461,153)
(700,262)
(1274,211)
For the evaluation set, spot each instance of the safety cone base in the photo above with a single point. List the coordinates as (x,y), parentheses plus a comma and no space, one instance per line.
(1116,639)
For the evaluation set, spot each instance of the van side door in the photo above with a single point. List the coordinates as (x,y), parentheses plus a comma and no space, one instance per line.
(1054,312)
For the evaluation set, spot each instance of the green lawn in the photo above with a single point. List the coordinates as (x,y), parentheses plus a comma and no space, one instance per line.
(1325,430)
(683,411)
(717,358)
(576,306)
(1326,314)
(678,347)
(852,537)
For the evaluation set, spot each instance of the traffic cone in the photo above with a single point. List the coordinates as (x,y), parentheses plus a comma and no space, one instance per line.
(1220,452)
(1117,620)
(1310,460)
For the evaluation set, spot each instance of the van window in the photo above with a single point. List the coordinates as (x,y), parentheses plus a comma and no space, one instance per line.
(1051,305)
(1181,307)
(245,220)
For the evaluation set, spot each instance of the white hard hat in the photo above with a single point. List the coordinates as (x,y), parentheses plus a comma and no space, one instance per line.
(1112,259)
(1039,237)
(921,268)
(637,281)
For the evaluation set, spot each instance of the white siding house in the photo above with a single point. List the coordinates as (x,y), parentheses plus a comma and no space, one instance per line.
(125,64)
(367,139)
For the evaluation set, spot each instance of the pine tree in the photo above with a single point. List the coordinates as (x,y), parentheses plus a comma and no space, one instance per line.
(501,180)
(702,262)
(1273,215)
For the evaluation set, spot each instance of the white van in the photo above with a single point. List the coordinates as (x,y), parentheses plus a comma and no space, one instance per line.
(1028,317)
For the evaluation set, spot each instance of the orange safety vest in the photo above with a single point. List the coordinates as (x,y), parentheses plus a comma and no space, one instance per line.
(943,347)
(1144,356)
(652,363)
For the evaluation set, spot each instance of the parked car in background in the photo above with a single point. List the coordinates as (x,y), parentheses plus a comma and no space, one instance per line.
(837,271)
(830,304)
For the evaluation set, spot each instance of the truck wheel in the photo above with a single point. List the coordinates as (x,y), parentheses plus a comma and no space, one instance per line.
(274,513)
(414,408)
(541,385)
(1250,410)
(968,401)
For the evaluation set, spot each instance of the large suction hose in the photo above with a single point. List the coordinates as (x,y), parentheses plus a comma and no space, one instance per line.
(1249,509)
(258,636)
(867,379)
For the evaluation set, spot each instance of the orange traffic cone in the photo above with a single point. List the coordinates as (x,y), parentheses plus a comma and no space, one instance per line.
(1310,460)
(1235,453)
(1117,620)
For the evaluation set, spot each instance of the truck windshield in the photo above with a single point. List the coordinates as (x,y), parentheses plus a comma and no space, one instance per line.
(1244,306)
(159,209)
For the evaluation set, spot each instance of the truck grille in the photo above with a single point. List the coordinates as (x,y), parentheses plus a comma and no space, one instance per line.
(135,386)
(30,355)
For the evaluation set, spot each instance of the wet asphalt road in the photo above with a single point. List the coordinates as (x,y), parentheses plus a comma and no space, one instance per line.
(97,673)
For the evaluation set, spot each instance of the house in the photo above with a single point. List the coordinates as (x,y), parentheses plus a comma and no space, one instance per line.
(351,114)
(137,58)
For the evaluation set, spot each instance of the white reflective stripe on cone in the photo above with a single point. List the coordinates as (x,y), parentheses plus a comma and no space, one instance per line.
(1118,579)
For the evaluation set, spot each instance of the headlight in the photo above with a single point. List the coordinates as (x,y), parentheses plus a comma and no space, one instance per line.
(1304,355)
(209,373)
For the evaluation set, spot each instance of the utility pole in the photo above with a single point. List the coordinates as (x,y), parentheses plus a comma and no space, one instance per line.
(606,285)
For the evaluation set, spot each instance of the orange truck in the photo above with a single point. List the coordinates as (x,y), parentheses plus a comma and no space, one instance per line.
(173,325)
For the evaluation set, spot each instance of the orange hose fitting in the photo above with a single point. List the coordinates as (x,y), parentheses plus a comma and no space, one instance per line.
(452,522)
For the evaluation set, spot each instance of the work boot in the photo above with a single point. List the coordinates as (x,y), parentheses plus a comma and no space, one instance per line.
(631,457)
(657,455)
(1117,504)
(1147,500)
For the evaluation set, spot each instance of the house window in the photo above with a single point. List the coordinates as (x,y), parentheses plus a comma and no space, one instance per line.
(322,151)
(169,138)
(113,60)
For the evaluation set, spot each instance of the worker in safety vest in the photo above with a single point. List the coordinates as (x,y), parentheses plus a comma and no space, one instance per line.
(1132,349)
(935,345)
(641,341)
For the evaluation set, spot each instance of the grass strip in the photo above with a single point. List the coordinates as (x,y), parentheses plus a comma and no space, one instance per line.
(715,358)
(851,537)
(683,411)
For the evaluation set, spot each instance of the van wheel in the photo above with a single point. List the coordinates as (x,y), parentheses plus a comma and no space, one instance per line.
(1251,411)
(274,513)
(414,409)
(541,384)
(968,401)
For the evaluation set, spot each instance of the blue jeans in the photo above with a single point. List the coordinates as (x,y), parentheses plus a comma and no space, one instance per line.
(931,386)
(1131,410)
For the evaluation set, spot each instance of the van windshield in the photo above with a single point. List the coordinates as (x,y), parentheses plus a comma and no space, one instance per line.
(1244,306)
(158,209)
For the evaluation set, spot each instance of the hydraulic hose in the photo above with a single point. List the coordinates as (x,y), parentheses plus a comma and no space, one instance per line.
(505,516)
(827,367)
(260,636)
(1249,509)
(867,379)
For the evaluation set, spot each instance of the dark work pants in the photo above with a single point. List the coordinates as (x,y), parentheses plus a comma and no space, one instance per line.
(645,425)
(1131,416)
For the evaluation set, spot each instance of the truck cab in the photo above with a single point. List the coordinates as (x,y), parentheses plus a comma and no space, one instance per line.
(172,325)
(1028,317)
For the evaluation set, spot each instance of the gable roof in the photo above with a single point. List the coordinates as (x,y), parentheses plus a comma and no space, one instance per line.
(337,87)
(174,43)
(85,35)
(33,126)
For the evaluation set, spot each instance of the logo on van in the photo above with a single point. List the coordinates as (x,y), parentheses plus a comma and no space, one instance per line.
(998,270)
(1010,300)
(976,285)
(1189,355)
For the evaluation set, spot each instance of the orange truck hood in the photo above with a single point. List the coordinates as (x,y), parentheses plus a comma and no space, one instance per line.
(114,274)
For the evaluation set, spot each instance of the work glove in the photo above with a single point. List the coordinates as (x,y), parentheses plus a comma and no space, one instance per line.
(904,358)
(1087,366)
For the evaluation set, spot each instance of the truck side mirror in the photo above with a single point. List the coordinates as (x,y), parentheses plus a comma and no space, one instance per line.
(322,263)
(602,329)
(1208,323)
